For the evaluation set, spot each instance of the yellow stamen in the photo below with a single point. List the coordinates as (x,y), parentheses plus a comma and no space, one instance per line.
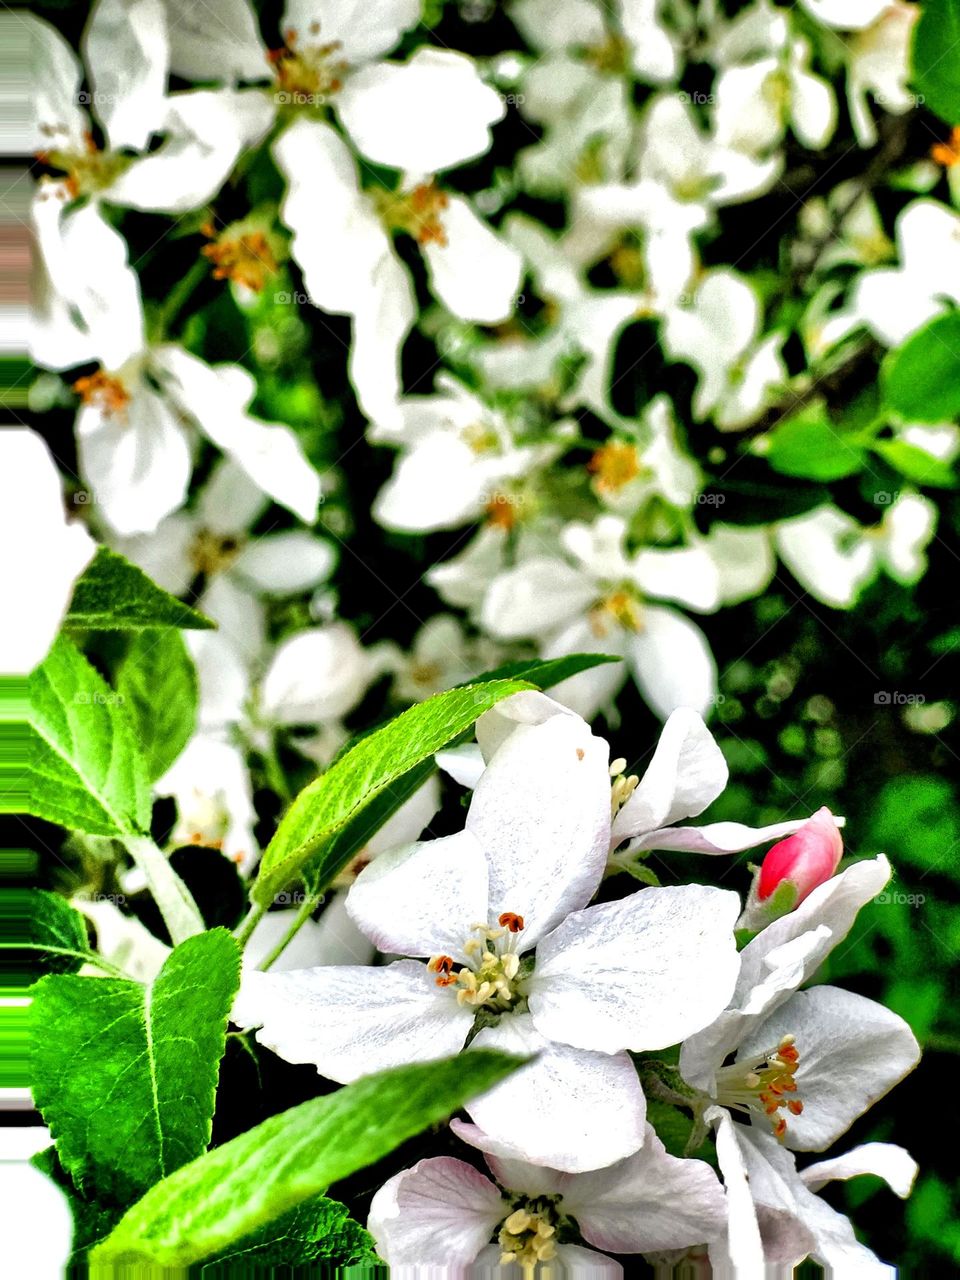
(105,392)
(759,1086)
(614,466)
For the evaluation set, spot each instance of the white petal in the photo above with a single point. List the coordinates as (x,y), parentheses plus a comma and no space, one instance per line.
(743,1245)
(382,317)
(230,502)
(424,115)
(123,940)
(883,1159)
(648,1202)
(316,675)
(215,42)
(408,822)
(535,597)
(541,812)
(529,707)
(437,485)
(744,558)
(55,80)
(672,663)
(285,563)
(206,131)
(240,618)
(569,1109)
(824,553)
(476,275)
(684,575)
(686,774)
(138,462)
(782,1203)
(127,51)
(715,837)
(852,1051)
(351,1021)
(640,973)
(848,15)
(463,764)
(438,1214)
(39,1229)
(43,555)
(813,109)
(362,31)
(423,899)
(590,691)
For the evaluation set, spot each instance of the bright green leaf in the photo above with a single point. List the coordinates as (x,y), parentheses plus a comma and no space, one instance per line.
(114,595)
(546,673)
(236,1189)
(83,768)
(158,683)
(124,1075)
(916,464)
(810,446)
(921,379)
(936,69)
(43,931)
(312,828)
(319,1230)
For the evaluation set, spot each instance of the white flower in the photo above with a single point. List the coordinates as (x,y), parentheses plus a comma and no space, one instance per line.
(213,540)
(342,241)
(686,774)
(126,48)
(133,436)
(210,783)
(807,1063)
(879,66)
(834,557)
(442,1212)
(442,655)
(719,334)
(458,459)
(892,302)
(847,15)
(598,604)
(318,676)
(519,876)
(775,1218)
(43,554)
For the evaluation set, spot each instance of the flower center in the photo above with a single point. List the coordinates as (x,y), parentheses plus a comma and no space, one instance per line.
(614,465)
(620,607)
(308,74)
(212,553)
(503,511)
(489,978)
(245,257)
(419,212)
(104,391)
(763,1085)
(528,1235)
(87,171)
(947,153)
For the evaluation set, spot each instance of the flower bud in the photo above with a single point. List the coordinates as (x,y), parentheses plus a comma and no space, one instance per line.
(804,860)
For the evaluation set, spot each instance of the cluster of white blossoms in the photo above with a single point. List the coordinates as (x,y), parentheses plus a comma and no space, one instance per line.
(584,527)
(504,942)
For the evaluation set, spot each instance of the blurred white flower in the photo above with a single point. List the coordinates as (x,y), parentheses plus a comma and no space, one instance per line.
(879,66)
(43,553)
(834,557)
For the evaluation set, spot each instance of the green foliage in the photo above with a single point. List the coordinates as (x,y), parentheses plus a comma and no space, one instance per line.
(915,820)
(915,463)
(158,683)
(238,1188)
(124,1074)
(114,595)
(319,1230)
(810,446)
(936,69)
(921,379)
(84,769)
(312,830)
(52,933)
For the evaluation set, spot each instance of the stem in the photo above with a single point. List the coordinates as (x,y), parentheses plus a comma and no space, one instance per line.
(90,957)
(173,898)
(275,775)
(249,923)
(179,295)
(302,916)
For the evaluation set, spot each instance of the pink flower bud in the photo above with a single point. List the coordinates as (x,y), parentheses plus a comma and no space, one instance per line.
(804,860)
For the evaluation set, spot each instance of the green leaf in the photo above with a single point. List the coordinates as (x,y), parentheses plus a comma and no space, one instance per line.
(916,820)
(236,1189)
(124,1075)
(921,379)
(114,595)
(810,446)
(82,765)
(936,69)
(545,674)
(319,1230)
(916,464)
(312,828)
(158,683)
(51,934)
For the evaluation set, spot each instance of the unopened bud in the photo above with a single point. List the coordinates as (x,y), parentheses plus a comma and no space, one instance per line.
(804,860)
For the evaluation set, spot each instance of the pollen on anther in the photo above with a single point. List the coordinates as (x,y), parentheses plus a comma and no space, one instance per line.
(513,923)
